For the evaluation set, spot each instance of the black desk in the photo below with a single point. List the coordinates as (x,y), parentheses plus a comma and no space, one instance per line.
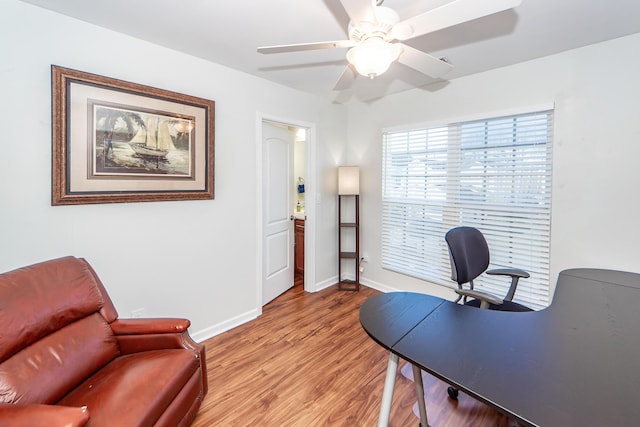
(576,363)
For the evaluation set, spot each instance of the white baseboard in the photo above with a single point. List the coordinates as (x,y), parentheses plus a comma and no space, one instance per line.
(363,281)
(377,286)
(212,331)
(325,284)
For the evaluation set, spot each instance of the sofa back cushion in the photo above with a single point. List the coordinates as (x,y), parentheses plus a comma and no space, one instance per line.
(51,367)
(52,314)
(41,298)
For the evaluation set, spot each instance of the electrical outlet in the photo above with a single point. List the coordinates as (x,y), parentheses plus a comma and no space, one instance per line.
(137,313)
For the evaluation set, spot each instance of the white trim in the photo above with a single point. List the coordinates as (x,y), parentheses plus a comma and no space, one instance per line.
(217,329)
(325,284)
(378,286)
(310,210)
(472,117)
(258,218)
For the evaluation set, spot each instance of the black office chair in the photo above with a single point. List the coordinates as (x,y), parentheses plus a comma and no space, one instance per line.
(469,255)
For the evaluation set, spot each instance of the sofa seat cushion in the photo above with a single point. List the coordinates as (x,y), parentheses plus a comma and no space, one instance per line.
(134,390)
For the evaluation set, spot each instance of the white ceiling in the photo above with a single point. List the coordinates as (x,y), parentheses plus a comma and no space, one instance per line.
(228,33)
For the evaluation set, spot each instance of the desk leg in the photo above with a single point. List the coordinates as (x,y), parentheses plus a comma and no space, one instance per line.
(417,378)
(387,393)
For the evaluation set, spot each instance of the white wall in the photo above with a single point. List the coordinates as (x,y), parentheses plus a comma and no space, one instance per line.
(595,204)
(203,265)
(330,154)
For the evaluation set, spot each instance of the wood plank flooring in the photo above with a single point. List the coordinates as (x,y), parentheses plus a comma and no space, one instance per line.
(307,362)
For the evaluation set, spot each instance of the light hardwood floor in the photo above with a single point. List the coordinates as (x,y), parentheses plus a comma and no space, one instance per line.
(307,362)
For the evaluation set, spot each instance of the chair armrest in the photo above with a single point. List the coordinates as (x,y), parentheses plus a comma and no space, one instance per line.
(485,298)
(17,415)
(515,274)
(149,326)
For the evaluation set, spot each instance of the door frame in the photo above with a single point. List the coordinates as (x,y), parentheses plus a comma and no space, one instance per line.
(310,202)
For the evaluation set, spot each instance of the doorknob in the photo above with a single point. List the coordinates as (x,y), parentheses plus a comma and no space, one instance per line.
(291,218)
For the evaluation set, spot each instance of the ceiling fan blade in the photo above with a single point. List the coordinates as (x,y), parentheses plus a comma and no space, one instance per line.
(346,79)
(454,13)
(306,46)
(342,97)
(423,62)
(360,10)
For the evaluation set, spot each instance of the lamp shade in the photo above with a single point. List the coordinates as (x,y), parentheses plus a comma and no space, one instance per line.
(373,56)
(348,180)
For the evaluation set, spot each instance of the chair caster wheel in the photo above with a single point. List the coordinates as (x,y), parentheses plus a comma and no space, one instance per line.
(453,393)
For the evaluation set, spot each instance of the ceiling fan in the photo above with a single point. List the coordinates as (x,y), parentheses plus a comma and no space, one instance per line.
(376,32)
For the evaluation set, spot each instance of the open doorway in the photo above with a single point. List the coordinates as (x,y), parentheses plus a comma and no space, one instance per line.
(286,207)
(299,211)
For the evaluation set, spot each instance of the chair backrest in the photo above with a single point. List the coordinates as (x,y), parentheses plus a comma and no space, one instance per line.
(468,252)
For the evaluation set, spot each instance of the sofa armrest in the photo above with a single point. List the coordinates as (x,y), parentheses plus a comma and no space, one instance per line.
(138,335)
(16,415)
(149,326)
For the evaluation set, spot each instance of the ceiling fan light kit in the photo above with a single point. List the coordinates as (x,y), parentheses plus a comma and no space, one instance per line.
(375,35)
(373,56)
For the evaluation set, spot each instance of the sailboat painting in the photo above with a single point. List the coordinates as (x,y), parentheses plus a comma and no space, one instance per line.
(115,141)
(132,142)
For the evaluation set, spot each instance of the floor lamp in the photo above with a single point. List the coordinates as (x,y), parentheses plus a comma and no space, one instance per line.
(349,186)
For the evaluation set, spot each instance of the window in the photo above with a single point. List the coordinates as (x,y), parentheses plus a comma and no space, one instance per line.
(493,174)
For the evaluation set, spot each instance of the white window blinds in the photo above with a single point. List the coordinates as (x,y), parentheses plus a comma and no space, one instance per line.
(492,174)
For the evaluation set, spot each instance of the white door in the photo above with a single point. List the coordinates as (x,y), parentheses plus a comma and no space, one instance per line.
(277,191)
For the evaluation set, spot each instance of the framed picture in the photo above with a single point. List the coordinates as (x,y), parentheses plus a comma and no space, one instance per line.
(116,141)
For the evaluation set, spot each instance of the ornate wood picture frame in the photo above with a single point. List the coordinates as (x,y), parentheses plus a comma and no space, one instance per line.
(116,141)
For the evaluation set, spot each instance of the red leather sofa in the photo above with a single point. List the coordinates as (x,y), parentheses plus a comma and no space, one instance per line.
(66,359)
